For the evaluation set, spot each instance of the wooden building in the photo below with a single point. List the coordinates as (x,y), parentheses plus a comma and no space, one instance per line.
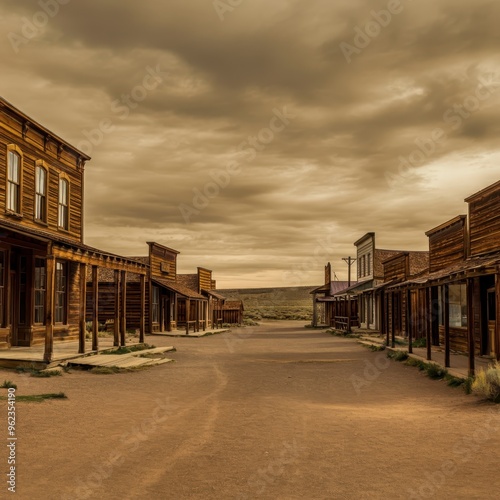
(333,306)
(456,305)
(232,312)
(396,302)
(171,301)
(43,259)
(370,276)
(204,285)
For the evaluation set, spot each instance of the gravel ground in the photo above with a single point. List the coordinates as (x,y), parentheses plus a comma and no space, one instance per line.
(270,412)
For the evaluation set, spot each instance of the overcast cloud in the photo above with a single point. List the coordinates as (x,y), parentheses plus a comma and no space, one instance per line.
(258,138)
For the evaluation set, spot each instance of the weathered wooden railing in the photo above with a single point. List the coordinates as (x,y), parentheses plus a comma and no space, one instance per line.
(345,323)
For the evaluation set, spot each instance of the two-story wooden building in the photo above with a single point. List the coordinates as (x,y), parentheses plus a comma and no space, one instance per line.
(456,304)
(43,260)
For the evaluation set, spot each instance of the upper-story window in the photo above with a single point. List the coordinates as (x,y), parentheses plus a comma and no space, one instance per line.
(369,264)
(14,177)
(63,212)
(40,194)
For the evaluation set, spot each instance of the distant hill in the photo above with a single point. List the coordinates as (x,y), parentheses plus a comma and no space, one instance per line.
(274,303)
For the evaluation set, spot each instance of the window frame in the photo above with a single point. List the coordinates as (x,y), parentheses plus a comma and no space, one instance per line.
(61,207)
(40,165)
(12,149)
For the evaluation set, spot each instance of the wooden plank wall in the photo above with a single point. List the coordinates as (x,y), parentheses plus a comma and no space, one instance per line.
(163,262)
(484,223)
(448,246)
(32,148)
(204,279)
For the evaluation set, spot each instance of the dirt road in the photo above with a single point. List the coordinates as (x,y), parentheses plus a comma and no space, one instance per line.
(272,412)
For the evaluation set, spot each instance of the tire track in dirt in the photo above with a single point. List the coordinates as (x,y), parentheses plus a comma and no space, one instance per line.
(191,446)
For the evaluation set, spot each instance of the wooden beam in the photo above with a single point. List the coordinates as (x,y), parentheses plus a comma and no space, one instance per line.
(470,325)
(497,322)
(409,321)
(116,321)
(393,320)
(143,309)
(428,322)
(188,307)
(83,308)
(95,309)
(49,309)
(315,311)
(446,299)
(123,312)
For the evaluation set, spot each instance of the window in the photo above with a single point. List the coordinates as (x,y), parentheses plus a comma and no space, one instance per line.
(40,194)
(2,288)
(63,213)
(458,306)
(369,264)
(40,288)
(155,305)
(14,182)
(61,289)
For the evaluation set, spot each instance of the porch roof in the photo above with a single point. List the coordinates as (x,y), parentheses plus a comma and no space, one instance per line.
(473,266)
(357,288)
(178,288)
(73,250)
(214,294)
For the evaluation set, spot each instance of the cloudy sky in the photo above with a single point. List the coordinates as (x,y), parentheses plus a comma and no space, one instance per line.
(262,138)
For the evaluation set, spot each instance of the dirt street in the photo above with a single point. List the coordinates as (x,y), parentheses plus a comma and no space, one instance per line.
(270,412)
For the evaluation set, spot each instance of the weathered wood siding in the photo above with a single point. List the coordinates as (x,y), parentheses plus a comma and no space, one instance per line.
(204,279)
(484,222)
(163,262)
(57,162)
(396,269)
(447,246)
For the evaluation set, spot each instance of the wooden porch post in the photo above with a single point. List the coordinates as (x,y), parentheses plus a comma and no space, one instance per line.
(143,309)
(83,308)
(197,315)
(49,310)
(315,311)
(204,308)
(446,298)
(123,311)
(409,321)
(428,322)
(176,310)
(393,320)
(470,325)
(116,322)
(188,307)
(497,326)
(95,308)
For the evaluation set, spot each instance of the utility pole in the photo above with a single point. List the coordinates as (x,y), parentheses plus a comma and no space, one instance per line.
(350,261)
